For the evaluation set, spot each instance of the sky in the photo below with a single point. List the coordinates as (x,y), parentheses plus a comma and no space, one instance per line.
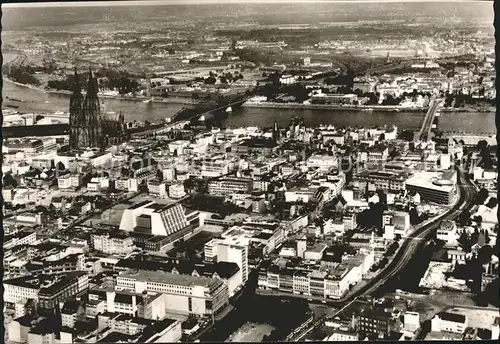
(194,2)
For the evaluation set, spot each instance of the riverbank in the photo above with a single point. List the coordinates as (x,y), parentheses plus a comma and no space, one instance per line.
(367,108)
(31,87)
(270,105)
(169,100)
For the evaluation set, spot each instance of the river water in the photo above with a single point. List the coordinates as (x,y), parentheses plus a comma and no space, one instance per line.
(40,102)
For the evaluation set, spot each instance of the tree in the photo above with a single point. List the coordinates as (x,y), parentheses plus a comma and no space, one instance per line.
(465,242)
(464,218)
(406,135)
(373,99)
(9,180)
(393,153)
(482,196)
(484,254)
(382,196)
(52,209)
(478,219)
(210,80)
(270,188)
(41,209)
(414,217)
(390,100)
(124,171)
(492,203)
(159,175)
(474,236)
(60,166)
(299,92)
(23,75)
(482,145)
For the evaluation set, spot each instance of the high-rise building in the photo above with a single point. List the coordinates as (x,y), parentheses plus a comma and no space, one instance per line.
(236,253)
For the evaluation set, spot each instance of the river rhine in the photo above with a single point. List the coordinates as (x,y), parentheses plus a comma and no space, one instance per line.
(39,102)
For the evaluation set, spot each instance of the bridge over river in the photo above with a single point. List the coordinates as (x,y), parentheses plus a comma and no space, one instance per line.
(213,105)
(425,132)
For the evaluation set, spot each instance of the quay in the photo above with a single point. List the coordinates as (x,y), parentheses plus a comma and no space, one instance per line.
(272,105)
(386,108)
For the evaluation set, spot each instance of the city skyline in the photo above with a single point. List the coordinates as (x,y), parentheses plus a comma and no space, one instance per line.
(250,171)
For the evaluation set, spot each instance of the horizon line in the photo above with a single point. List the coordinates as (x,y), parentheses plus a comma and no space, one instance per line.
(117,3)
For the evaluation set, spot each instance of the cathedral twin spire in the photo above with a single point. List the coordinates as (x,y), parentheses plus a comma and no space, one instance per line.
(85,115)
(76,83)
(92,88)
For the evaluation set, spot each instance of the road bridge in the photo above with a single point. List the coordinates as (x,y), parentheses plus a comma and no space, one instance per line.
(425,132)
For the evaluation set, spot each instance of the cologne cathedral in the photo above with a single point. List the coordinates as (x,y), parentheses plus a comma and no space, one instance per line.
(89,127)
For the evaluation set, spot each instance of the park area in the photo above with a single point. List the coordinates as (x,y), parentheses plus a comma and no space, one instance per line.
(251,332)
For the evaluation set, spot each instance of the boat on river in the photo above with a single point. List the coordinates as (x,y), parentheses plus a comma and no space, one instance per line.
(15,100)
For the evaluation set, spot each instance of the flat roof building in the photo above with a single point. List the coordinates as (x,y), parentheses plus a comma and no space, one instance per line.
(433,187)
(184,294)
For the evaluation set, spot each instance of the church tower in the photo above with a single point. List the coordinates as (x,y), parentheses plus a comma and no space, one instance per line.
(276,132)
(76,116)
(92,111)
(88,126)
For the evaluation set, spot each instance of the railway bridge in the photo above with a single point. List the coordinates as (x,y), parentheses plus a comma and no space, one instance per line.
(211,105)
